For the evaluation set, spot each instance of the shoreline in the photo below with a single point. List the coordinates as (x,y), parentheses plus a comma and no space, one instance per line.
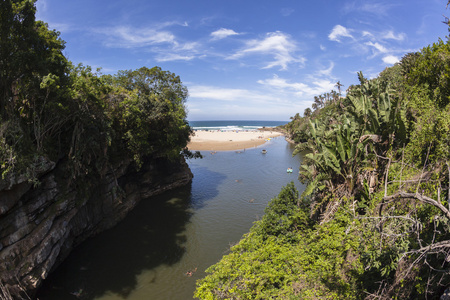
(217,140)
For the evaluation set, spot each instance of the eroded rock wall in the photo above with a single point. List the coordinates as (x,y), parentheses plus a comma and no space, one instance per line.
(39,225)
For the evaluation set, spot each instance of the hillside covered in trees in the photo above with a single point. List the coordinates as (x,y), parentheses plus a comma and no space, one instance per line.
(78,149)
(373,222)
(51,108)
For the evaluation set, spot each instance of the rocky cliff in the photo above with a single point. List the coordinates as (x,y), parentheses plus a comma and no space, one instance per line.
(41,223)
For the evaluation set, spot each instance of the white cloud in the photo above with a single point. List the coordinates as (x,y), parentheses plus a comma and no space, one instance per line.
(190,46)
(155,40)
(390,59)
(281,97)
(386,35)
(212,102)
(327,72)
(390,35)
(173,57)
(375,43)
(223,33)
(323,86)
(177,52)
(225,94)
(338,32)
(278,44)
(378,47)
(304,90)
(367,34)
(128,37)
(281,83)
(368,6)
(41,9)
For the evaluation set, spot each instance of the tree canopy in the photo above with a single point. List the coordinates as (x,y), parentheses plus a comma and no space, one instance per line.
(51,108)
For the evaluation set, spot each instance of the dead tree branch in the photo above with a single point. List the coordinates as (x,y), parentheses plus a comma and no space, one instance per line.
(421,198)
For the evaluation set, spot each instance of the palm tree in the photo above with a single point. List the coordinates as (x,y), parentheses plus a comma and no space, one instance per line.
(307,112)
(339,85)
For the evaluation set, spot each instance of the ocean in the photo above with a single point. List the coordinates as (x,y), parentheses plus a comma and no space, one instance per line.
(233,125)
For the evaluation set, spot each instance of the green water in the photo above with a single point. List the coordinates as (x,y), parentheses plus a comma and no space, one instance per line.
(147,255)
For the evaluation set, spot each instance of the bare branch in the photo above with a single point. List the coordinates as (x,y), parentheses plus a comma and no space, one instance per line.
(421,198)
(432,248)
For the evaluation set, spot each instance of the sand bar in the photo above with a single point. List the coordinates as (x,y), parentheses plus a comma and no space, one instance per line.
(229,140)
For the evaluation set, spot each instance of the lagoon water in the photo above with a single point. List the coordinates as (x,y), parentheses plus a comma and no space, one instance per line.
(147,255)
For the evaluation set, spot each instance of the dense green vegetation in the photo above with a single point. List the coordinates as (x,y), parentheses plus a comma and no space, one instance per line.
(53,110)
(373,221)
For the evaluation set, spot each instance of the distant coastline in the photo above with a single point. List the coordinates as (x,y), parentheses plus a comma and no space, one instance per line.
(234,125)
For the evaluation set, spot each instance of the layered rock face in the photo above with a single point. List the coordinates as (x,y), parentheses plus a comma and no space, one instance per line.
(40,224)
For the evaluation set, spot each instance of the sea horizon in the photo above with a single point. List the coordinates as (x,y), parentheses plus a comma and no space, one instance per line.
(238,125)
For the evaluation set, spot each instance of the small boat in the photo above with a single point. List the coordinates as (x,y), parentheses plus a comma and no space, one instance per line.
(289,170)
(264,151)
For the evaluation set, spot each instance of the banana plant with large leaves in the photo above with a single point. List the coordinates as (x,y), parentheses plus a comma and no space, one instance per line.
(377,110)
(349,150)
(318,160)
(338,150)
(330,150)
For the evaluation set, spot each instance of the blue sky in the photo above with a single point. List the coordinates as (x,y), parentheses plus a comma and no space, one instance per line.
(247,59)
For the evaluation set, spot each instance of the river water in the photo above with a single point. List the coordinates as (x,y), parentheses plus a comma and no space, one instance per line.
(148,254)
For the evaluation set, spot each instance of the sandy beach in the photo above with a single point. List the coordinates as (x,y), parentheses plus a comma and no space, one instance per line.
(229,140)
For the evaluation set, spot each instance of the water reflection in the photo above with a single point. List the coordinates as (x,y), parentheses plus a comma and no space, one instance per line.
(208,191)
(112,261)
(148,254)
